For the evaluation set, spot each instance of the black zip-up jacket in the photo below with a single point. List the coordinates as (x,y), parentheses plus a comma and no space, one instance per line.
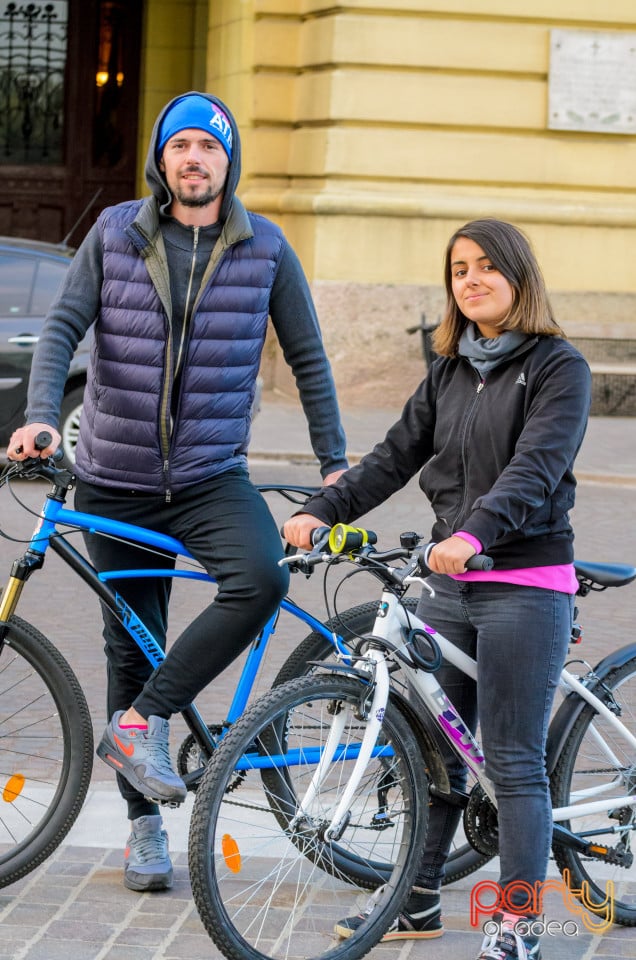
(496,454)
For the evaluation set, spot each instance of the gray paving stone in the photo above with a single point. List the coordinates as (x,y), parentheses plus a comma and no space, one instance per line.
(130,953)
(50,949)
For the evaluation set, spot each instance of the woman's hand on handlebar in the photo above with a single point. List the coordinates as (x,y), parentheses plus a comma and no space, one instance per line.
(22,443)
(450,556)
(297,530)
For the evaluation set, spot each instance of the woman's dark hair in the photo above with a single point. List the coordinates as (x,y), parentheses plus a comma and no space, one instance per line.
(509,250)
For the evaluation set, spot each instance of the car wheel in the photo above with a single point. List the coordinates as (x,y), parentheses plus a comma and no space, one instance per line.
(69,424)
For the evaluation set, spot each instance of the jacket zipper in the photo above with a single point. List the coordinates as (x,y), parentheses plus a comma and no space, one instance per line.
(469,420)
(188,312)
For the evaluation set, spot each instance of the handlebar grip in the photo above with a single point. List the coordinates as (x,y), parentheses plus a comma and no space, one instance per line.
(480,561)
(319,533)
(43,440)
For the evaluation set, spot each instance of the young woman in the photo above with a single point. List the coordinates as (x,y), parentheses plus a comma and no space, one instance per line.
(494,429)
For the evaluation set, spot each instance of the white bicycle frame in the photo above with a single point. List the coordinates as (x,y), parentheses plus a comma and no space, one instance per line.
(391,624)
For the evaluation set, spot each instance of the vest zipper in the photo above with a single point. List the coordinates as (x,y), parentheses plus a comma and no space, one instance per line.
(166,467)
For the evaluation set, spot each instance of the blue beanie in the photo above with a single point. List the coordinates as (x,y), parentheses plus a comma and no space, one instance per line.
(197,113)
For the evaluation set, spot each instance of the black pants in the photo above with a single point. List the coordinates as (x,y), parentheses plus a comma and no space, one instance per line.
(227,526)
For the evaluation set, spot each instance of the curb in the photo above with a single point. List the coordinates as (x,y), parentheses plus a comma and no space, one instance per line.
(274,456)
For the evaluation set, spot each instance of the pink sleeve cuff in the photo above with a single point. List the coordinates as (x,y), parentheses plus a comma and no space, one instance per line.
(473,541)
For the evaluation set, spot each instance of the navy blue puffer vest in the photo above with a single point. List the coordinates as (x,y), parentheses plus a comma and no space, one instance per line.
(128,439)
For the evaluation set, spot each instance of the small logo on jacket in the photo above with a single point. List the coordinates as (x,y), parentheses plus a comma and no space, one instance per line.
(521,379)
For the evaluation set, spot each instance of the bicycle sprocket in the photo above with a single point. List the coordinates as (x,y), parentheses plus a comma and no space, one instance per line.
(190,758)
(480,822)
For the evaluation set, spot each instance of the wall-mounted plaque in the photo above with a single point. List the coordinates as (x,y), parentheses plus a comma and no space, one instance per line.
(592,83)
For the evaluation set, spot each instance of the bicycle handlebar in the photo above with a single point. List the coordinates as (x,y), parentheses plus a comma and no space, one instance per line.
(355,544)
(291,491)
(33,468)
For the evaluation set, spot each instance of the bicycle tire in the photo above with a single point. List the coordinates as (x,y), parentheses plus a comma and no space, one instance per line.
(582,766)
(46,750)
(265,893)
(351,624)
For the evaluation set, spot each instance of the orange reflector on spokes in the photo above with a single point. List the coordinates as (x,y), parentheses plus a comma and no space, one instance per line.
(13,788)
(231,853)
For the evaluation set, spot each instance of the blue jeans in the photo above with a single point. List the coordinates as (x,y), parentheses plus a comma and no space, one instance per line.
(519,637)
(227,526)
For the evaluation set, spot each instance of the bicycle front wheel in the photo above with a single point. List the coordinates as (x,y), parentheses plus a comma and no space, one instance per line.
(264,890)
(352,624)
(597,764)
(46,750)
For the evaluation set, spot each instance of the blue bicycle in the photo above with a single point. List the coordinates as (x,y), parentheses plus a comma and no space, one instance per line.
(46,741)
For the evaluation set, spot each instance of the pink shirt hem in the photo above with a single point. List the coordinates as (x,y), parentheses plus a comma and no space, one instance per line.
(561,578)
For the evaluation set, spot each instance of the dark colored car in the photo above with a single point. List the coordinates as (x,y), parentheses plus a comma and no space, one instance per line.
(30,274)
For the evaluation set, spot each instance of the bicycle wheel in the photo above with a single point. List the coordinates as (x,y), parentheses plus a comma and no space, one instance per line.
(595,764)
(263,891)
(357,622)
(46,750)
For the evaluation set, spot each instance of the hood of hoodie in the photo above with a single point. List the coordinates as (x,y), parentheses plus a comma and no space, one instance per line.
(155,178)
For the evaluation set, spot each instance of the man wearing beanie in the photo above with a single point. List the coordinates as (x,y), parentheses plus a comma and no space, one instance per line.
(179,287)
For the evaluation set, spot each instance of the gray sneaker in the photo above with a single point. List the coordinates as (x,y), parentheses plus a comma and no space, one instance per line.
(147,864)
(142,757)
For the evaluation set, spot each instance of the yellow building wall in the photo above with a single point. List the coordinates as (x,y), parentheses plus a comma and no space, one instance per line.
(372,129)
(173,60)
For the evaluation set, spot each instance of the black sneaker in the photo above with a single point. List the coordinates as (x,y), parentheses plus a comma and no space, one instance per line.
(507,943)
(421,919)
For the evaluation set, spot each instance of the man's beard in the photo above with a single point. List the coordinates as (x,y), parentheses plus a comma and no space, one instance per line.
(202,200)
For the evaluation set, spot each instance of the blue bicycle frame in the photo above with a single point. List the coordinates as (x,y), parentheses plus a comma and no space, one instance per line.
(46,534)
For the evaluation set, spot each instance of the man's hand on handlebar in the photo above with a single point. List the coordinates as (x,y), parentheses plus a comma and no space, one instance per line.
(450,556)
(22,443)
(297,530)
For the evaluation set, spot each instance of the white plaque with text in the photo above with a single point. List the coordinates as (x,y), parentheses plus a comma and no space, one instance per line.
(592,81)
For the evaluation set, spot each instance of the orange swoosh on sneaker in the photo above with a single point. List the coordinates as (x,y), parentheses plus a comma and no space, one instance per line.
(128,749)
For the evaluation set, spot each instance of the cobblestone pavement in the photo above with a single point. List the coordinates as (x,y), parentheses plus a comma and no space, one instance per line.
(74,906)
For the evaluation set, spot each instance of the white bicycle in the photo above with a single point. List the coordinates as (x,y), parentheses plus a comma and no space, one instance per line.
(321,790)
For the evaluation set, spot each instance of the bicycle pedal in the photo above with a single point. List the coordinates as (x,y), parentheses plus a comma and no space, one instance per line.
(171,804)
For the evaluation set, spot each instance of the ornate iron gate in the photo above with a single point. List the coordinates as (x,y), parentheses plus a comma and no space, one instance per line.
(69,93)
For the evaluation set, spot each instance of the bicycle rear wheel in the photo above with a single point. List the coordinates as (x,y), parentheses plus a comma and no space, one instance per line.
(596,764)
(46,750)
(267,891)
(352,624)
